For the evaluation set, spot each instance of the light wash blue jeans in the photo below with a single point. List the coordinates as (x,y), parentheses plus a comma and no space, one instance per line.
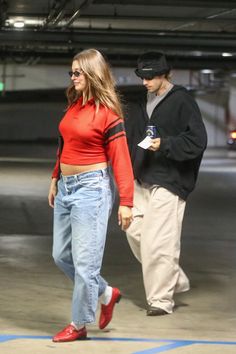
(82,208)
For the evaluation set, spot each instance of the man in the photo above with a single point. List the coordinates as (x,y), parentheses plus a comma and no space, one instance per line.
(165,174)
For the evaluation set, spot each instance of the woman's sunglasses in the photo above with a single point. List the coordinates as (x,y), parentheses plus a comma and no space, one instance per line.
(75,73)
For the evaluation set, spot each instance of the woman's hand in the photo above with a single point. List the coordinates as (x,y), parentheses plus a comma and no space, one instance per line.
(155,144)
(52,192)
(124,217)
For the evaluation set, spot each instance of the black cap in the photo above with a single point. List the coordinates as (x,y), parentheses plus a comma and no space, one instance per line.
(151,64)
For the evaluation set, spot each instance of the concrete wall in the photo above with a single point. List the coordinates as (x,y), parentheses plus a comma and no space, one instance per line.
(30,120)
(232,104)
(213,109)
(23,77)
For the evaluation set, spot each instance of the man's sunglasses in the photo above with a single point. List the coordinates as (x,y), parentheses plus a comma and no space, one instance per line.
(75,73)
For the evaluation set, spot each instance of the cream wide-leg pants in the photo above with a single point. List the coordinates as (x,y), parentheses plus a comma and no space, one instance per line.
(154,237)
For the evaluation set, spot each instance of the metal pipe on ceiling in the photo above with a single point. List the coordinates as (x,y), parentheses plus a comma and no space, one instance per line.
(56,11)
(84,4)
(227,4)
(122,39)
(58,18)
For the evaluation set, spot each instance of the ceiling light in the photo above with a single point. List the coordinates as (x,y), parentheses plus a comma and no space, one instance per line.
(197,53)
(19,24)
(207,71)
(227,54)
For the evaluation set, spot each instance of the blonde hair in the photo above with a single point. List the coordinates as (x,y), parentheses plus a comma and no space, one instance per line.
(100,81)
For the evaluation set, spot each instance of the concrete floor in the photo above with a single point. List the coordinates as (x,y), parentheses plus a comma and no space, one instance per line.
(35,296)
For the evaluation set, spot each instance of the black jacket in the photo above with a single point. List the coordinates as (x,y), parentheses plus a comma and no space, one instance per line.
(183,140)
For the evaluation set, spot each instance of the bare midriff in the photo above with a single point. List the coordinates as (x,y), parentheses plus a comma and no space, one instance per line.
(68,170)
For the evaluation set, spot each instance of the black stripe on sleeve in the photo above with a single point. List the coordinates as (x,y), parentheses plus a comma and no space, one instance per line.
(114,130)
(112,123)
(116,137)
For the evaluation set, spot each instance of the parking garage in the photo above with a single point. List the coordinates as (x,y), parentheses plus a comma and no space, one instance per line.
(37,43)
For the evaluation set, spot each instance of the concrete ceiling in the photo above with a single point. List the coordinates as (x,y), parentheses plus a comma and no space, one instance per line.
(193,33)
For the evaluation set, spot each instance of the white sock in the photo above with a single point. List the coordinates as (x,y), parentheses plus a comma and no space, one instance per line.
(77,327)
(106,296)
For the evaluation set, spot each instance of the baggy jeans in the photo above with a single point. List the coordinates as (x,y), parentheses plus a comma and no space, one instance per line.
(82,208)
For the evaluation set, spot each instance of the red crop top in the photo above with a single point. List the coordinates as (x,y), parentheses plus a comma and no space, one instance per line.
(92,137)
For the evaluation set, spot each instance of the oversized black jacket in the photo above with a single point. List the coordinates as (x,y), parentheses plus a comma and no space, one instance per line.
(183,140)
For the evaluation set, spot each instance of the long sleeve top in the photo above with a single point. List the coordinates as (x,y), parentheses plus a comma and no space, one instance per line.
(183,136)
(93,136)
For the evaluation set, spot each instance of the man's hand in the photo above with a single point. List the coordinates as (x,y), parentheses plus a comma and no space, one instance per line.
(155,144)
(124,217)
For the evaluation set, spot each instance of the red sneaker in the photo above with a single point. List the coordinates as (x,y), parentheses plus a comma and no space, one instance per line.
(107,310)
(70,333)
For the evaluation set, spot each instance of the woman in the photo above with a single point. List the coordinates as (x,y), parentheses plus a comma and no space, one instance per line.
(82,189)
